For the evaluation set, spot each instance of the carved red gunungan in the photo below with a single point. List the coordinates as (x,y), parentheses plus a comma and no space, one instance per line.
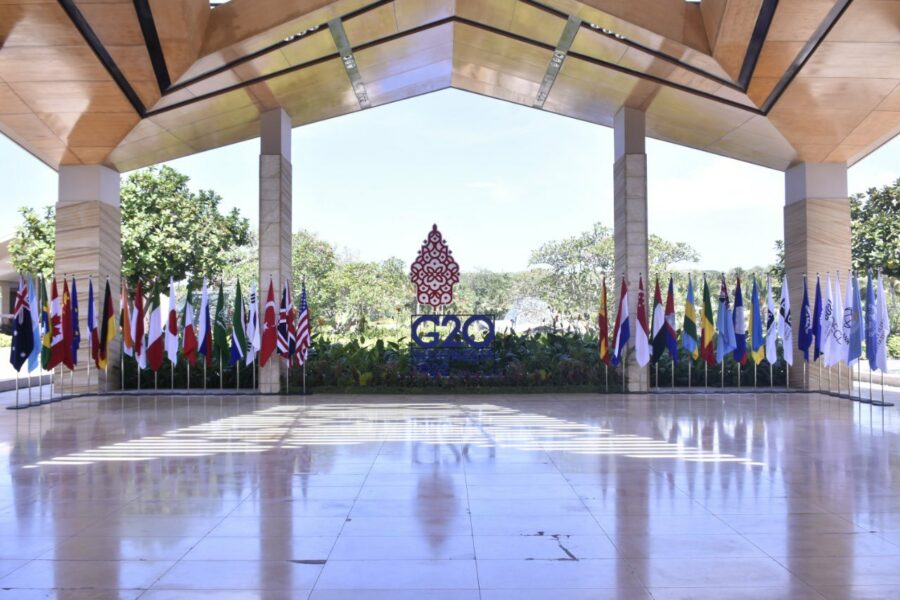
(434,271)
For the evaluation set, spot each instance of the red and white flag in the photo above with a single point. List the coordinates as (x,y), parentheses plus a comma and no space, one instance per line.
(155,343)
(269,337)
(172,326)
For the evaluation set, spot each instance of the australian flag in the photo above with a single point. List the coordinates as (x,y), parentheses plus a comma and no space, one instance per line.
(22,330)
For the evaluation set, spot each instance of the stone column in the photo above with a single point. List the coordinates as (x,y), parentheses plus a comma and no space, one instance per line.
(816,240)
(274,222)
(630,221)
(89,242)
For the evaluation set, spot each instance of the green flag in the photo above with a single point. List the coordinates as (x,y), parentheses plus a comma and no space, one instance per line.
(238,334)
(221,350)
(46,331)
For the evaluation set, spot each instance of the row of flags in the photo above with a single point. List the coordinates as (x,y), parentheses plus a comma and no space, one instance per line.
(46,330)
(827,328)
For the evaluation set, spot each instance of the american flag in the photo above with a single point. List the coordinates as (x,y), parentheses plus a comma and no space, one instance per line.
(303,331)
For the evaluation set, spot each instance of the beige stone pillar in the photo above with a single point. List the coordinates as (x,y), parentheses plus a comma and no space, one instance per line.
(816,240)
(630,221)
(89,242)
(274,221)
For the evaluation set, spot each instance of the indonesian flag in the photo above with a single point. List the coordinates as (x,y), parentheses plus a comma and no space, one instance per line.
(107,328)
(172,326)
(137,327)
(269,338)
(155,344)
(622,328)
(189,343)
(641,340)
(55,330)
(125,323)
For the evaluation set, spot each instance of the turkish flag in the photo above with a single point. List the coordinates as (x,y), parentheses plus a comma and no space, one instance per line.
(269,333)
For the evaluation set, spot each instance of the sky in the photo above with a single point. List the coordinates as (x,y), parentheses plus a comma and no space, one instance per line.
(497,178)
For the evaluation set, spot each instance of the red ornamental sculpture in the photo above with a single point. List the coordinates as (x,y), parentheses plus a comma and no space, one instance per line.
(434,271)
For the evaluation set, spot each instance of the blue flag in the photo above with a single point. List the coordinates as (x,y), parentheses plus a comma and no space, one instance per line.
(817,321)
(724,326)
(856,325)
(804,339)
(76,331)
(871,325)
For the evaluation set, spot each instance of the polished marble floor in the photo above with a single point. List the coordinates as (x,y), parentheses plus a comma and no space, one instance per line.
(492,497)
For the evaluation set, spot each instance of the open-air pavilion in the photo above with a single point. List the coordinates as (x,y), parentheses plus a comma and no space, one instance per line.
(772,495)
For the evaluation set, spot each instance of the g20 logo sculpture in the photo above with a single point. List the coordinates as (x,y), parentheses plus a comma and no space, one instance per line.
(451,341)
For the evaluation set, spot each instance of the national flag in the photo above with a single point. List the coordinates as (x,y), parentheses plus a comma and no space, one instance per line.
(34,301)
(22,331)
(740,326)
(771,324)
(172,326)
(204,330)
(817,321)
(304,334)
(641,339)
(137,327)
(76,328)
(46,327)
(93,332)
(270,327)
(805,336)
(155,340)
(107,328)
(54,340)
(669,327)
(189,344)
(882,327)
(254,343)
(622,328)
(283,314)
(603,328)
(757,339)
(659,319)
(707,328)
(689,340)
(238,332)
(221,350)
(724,325)
(68,340)
(125,322)
(853,324)
(785,330)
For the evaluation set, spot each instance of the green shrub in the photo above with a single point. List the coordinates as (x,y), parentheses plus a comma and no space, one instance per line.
(5,340)
(893,346)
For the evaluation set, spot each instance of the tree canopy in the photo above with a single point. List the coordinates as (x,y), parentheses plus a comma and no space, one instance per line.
(167,231)
(875,227)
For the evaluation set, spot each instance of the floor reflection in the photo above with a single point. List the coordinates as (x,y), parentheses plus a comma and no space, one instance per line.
(530,497)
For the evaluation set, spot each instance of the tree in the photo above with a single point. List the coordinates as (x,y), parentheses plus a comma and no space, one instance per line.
(167,231)
(33,248)
(573,269)
(875,229)
(484,292)
(312,261)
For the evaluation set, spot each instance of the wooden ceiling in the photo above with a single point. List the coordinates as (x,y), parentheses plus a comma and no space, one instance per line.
(129,83)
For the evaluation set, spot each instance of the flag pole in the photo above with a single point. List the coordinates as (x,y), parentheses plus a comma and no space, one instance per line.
(172,371)
(254,374)
(771,377)
(690,370)
(17,388)
(204,372)
(739,372)
(155,380)
(137,365)
(189,375)
(221,368)
(705,376)
(29,388)
(673,375)
(237,368)
(787,375)
(106,375)
(304,378)
(656,364)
